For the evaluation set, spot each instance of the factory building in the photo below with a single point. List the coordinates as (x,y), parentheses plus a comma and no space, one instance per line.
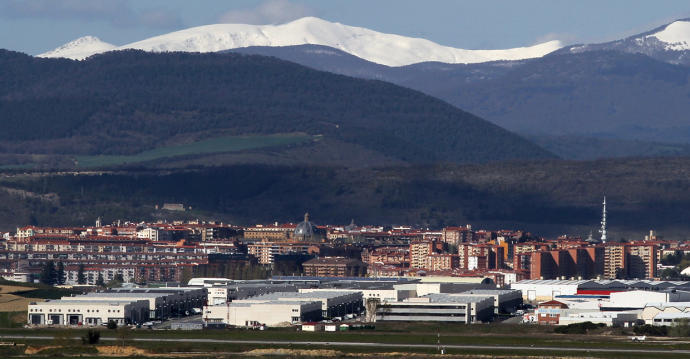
(89,313)
(220,294)
(163,302)
(284,307)
(538,290)
(651,310)
(505,300)
(270,313)
(438,308)
(381,294)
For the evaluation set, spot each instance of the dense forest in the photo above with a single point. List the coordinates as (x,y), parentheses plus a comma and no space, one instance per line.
(547,197)
(130,101)
(595,104)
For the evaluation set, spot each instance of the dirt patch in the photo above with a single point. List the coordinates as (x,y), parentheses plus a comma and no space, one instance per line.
(15,303)
(116,350)
(31,350)
(4,289)
(294,352)
(334,353)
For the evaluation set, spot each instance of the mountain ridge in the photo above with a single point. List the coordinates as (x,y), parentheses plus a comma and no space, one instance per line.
(126,102)
(382,48)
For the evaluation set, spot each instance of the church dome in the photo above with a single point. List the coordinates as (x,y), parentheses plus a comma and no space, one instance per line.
(305,229)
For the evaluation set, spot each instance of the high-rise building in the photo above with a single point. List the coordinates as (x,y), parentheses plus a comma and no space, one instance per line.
(642,261)
(614,261)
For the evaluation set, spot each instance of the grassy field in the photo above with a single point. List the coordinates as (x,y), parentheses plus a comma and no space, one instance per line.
(13,307)
(522,336)
(213,145)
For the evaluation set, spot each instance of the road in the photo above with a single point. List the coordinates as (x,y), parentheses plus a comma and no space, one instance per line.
(374,345)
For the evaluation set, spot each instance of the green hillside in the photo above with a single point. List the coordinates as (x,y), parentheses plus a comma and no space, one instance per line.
(130,102)
(547,197)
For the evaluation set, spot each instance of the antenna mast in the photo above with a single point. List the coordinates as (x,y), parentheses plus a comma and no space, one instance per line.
(603,223)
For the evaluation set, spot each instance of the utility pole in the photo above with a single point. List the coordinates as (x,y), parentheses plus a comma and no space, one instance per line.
(603,222)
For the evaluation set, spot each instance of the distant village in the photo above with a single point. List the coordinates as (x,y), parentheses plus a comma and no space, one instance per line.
(175,252)
(308,275)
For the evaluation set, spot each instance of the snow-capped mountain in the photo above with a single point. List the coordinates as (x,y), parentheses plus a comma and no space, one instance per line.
(80,48)
(669,43)
(675,36)
(381,48)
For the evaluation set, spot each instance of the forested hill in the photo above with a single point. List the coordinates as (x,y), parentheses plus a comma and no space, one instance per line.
(130,101)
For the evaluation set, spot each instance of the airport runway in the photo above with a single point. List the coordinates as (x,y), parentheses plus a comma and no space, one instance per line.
(374,345)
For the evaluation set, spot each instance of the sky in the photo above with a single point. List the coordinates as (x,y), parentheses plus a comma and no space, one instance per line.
(36,26)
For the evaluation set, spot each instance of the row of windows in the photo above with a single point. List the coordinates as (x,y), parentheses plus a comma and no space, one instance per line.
(37,310)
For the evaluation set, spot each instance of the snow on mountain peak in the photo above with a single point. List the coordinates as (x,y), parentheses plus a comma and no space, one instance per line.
(676,35)
(80,48)
(386,49)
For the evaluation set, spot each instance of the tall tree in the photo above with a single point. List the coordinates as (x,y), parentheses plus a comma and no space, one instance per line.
(48,274)
(119,277)
(61,276)
(100,281)
(81,277)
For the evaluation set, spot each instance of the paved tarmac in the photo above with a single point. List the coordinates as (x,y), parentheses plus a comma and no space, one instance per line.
(376,345)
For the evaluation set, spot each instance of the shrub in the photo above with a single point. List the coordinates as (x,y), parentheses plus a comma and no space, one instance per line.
(578,328)
(112,324)
(92,337)
(647,329)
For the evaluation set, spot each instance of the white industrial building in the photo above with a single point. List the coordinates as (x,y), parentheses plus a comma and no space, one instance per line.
(80,312)
(383,295)
(546,289)
(505,300)
(671,319)
(284,307)
(651,310)
(624,318)
(219,294)
(270,313)
(208,282)
(333,303)
(438,308)
(162,302)
(638,299)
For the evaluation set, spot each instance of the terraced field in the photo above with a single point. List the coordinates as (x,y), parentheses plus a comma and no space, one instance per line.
(213,145)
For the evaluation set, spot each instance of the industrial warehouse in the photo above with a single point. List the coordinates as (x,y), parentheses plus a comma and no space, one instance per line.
(292,301)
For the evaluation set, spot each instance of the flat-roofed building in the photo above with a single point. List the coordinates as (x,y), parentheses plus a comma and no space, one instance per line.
(163,302)
(90,313)
(651,310)
(505,300)
(270,313)
(334,267)
(438,308)
(334,303)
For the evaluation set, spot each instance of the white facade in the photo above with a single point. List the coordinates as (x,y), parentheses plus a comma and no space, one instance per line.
(333,303)
(472,262)
(671,319)
(148,233)
(108,273)
(270,313)
(383,295)
(625,318)
(640,298)
(437,308)
(207,282)
(217,295)
(162,302)
(651,310)
(505,300)
(90,313)
(545,289)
